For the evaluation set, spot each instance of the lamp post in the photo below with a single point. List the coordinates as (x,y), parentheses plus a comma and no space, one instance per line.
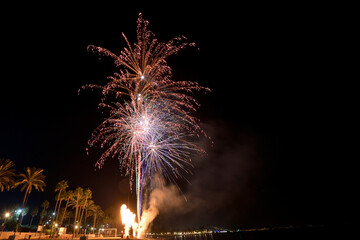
(19,219)
(7,215)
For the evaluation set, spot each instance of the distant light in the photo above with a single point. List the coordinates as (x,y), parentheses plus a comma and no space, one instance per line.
(142,77)
(53,213)
(7,215)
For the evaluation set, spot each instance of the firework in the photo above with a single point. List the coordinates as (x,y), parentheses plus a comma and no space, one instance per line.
(149,128)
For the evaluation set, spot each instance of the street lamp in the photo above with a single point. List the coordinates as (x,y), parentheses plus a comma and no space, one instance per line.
(18,212)
(7,214)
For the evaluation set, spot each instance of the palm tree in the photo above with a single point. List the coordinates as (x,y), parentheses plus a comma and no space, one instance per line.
(63,197)
(44,205)
(34,211)
(78,195)
(32,177)
(7,174)
(71,215)
(60,187)
(97,212)
(64,215)
(24,211)
(90,205)
(87,195)
(69,197)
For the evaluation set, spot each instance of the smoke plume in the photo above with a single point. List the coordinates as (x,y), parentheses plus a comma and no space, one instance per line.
(162,198)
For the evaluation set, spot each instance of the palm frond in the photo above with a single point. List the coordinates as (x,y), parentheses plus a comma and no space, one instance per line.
(31,178)
(7,174)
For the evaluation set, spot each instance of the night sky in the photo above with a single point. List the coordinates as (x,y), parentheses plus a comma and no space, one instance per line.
(280,111)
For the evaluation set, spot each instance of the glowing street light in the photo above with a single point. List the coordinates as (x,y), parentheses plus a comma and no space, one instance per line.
(7,214)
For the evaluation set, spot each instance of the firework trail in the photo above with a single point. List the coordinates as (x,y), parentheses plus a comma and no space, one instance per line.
(149,128)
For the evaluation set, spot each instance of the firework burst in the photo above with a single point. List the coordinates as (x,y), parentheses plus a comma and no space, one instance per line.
(149,128)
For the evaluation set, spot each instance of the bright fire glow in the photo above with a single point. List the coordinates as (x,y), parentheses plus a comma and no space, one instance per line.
(128,220)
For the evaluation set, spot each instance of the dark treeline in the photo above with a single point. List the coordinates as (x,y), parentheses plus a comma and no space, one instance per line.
(74,208)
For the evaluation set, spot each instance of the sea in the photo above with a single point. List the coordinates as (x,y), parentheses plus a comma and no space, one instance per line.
(202,236)
(302,233)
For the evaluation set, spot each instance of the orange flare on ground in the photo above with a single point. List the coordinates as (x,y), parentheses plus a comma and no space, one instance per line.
(128,220)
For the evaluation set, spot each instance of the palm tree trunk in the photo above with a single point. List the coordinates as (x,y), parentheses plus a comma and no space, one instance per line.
(20,216)
(42,216)
(26,193)
(32,217)
(63,216)
(27,198)
(85,220)
(83,209)
(94,222)
(58,211)
(80,214)
(76,212)
(57,201)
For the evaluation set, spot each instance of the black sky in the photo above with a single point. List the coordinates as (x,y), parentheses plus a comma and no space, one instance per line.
(279,112)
